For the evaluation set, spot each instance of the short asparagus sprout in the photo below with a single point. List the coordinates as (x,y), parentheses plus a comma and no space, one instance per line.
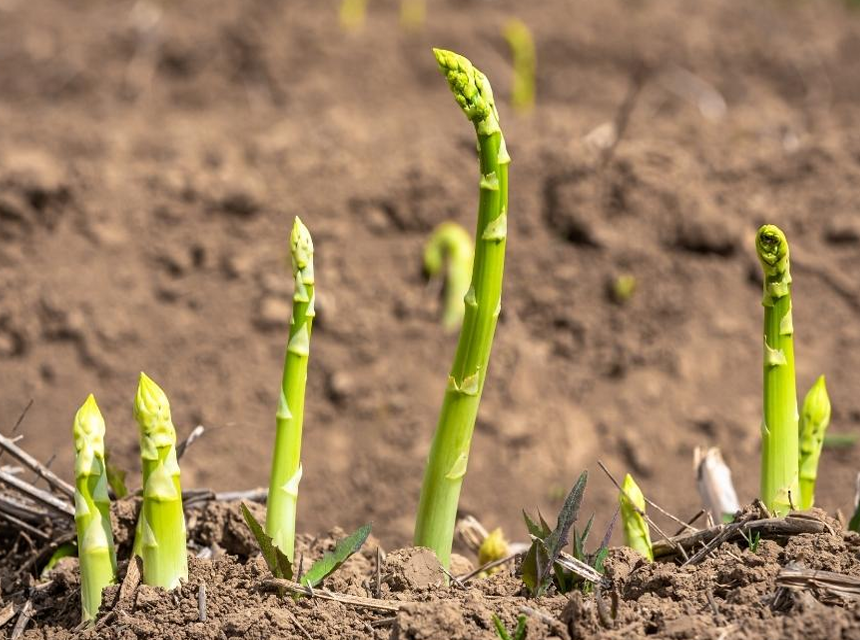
(494,547)
(623,287)
(449,453)
(92,508)
(450,248)
(779,468)
(814,419)
(412,13)
(636,534)
(519,38)
(352,13)
(162,522)
(286,469)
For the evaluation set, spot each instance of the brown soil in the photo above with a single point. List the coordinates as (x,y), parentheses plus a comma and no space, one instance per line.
(731,594)
(152,156)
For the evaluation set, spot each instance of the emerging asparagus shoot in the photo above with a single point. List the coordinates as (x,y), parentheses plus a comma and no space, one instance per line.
(814,420)
(636,534)
(450,248)
(92,508)
(286,464)
(162,522)
(449,453)
(779,467)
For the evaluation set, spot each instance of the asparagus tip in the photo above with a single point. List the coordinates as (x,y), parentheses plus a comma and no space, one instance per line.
(89,433)
(152,411)
(470,87)
(772,247)
(301,245)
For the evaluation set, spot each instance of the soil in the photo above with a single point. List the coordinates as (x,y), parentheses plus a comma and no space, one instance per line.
(731,594)
(153,155)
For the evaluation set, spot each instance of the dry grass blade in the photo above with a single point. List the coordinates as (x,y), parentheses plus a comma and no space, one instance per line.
(827,585)
(8,445)
(7,613)
(23,526)
(182,447)
(709,539)
(579,568)
(39,495)
(489,565)
(323,594)
(22,621)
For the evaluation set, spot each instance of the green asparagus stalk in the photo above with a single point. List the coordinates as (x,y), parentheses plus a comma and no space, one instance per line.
(286,465)
(636,533)
(449,452)
(92,508)
(162,522)
(814,420)
(451,243)
(779,468)
(519,38)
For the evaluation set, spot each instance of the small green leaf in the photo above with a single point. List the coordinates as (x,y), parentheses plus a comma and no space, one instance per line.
(115,478)
(331,561)
(520,633)
(67,550)
(278,563)
(537,530)
(557,540)
(500,628)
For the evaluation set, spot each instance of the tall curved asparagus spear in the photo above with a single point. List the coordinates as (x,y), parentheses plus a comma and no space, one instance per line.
(779,452)
(92,508)
(449,453)
(162,522)
(286,464)
(453,243)
(814,419)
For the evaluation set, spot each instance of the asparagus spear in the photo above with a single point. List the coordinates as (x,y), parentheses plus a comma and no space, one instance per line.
(449,453)
(452,242)
(162,522)
(636,533)
(814,420)
(779,468)
(92,508)
(286,464)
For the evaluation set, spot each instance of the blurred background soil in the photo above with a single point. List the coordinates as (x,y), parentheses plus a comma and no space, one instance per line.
(152,156)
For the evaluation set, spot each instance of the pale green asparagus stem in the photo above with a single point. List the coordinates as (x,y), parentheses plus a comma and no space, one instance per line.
(522,45)
(636,533)
(286,465)
(449,453)
(779,468)
(451,248)
(162,522)
(92,508)
(814,419)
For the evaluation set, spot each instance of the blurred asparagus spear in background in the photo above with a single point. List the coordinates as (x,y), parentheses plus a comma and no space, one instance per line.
(519,38)
(854,524)
(412,13)
(92,508)
(636,533)
(162,522)
(352,13)
(450,248)
(449,453)
(814,419)
(286,472)
(779,467)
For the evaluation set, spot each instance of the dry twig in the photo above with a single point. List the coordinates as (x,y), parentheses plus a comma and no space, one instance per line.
(323,594)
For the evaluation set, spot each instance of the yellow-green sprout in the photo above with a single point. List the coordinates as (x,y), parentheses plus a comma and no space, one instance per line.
(92,508)
(162,522)
(286,469)
(494,547)
(636,533)
(352,14)
(779,452)
(814,420)
(450,249)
